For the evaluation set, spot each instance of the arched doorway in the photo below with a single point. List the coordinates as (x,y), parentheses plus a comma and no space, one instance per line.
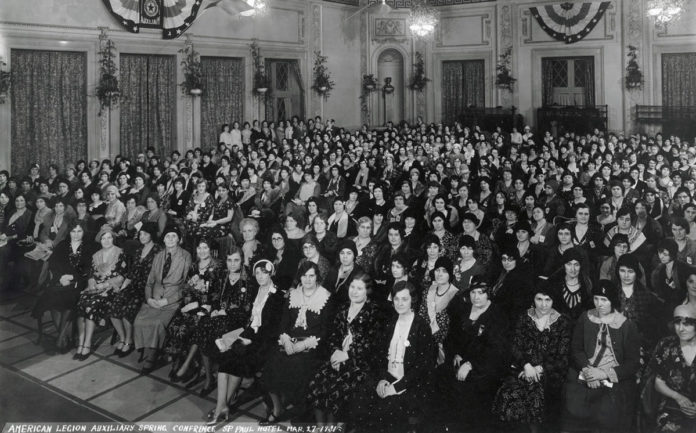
(390,64)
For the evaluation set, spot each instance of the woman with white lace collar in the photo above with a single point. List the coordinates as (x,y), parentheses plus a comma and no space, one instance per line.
(305,322)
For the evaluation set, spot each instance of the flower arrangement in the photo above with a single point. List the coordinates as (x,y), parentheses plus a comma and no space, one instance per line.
(419,80)
(369,83)
(107,90)
(261,82)
(634,76)
(5,82)
(193,73)
(323,84)
(503,78)
(199,284)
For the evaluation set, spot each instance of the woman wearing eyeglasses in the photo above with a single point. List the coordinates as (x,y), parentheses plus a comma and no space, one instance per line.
(673,368)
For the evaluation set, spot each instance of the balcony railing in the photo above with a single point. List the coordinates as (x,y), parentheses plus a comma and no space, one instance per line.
(571,118)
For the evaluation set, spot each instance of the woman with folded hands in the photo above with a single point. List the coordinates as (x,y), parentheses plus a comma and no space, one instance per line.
(195,303)
(305,322)
(245,356)
(109,267)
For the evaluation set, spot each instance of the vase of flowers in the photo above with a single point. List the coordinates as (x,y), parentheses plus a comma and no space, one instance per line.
(503,77)
(5,81)
(107,90)
(369,83)
(323,84)
(419,80)
(634,76)
(193,72)
(261,83)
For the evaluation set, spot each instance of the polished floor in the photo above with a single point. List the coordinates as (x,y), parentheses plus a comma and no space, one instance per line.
(103,387)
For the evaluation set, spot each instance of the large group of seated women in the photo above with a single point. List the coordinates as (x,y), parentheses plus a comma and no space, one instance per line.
(415,277)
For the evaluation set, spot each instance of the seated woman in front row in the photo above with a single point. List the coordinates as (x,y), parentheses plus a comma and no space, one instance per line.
(675,380)
(392,400)
(247,355)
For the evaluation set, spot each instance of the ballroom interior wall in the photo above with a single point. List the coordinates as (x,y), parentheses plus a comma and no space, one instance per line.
(296,28)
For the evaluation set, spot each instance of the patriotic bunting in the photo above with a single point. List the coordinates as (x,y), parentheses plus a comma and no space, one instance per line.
(569,22)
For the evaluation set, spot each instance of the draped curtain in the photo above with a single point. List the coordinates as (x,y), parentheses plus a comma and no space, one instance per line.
(679,80)
(148,114)
(586,68)
(463,85)
(223,99)
(295,70)
(49,108)
(547,81)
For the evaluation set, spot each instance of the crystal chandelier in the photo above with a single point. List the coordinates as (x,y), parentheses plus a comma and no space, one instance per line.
(664,11)
(422,19)
(258,7)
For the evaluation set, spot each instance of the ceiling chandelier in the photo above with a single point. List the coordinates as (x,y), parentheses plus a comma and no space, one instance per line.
(258,8)
(664,11)
(422,19)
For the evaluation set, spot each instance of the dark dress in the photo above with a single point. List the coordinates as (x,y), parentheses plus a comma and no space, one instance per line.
(393,413)
(204,209)
(483,343)
(126,303)
(199,287)
(96,306)
(605,409)
(246,361)
(220,210)
(235,300)
(525,402)
(669,365)
(332,390)
(512,292)
(64,262)
(289,375)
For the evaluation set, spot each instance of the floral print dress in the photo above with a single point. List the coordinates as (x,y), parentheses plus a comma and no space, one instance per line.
(220,210)
(235,300)
(95,305)
(197,212)
(126,303)
(197,288)
(668,364)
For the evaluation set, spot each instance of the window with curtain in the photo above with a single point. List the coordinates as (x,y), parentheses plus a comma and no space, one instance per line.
(463,85)
(223,99)
(287,90)
(679,79)
(568,81)
(48,108)
(148,113)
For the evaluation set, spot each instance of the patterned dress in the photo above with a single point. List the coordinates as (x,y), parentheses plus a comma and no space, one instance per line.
(220,210)
(669,365)
(126,303)
(202,209)
(235,300)
(332,390)
(95,305)
(197,288)
(535,402)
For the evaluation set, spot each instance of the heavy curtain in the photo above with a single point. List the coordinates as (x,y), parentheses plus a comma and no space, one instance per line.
(223,99)
(49,108)
(463,85)
(547,80)
(295,70)
(584,77)
(679,79)
(148,114)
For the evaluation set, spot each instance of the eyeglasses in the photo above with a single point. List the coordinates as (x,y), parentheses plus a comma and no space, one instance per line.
(276,239)
(507,259)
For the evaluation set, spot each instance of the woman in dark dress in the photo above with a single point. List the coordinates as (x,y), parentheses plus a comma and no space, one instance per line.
(339,277)
(285,256)
(198,211)
(601,387)
(476,359)
(303,328)
(511,290)
(540,346)
(353,346)
(68,266)
(674,370)
(128,299)
(393,398)
(200,285)
(219,222)
(230,304)
(109,268)
(571,287)
(246,356)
